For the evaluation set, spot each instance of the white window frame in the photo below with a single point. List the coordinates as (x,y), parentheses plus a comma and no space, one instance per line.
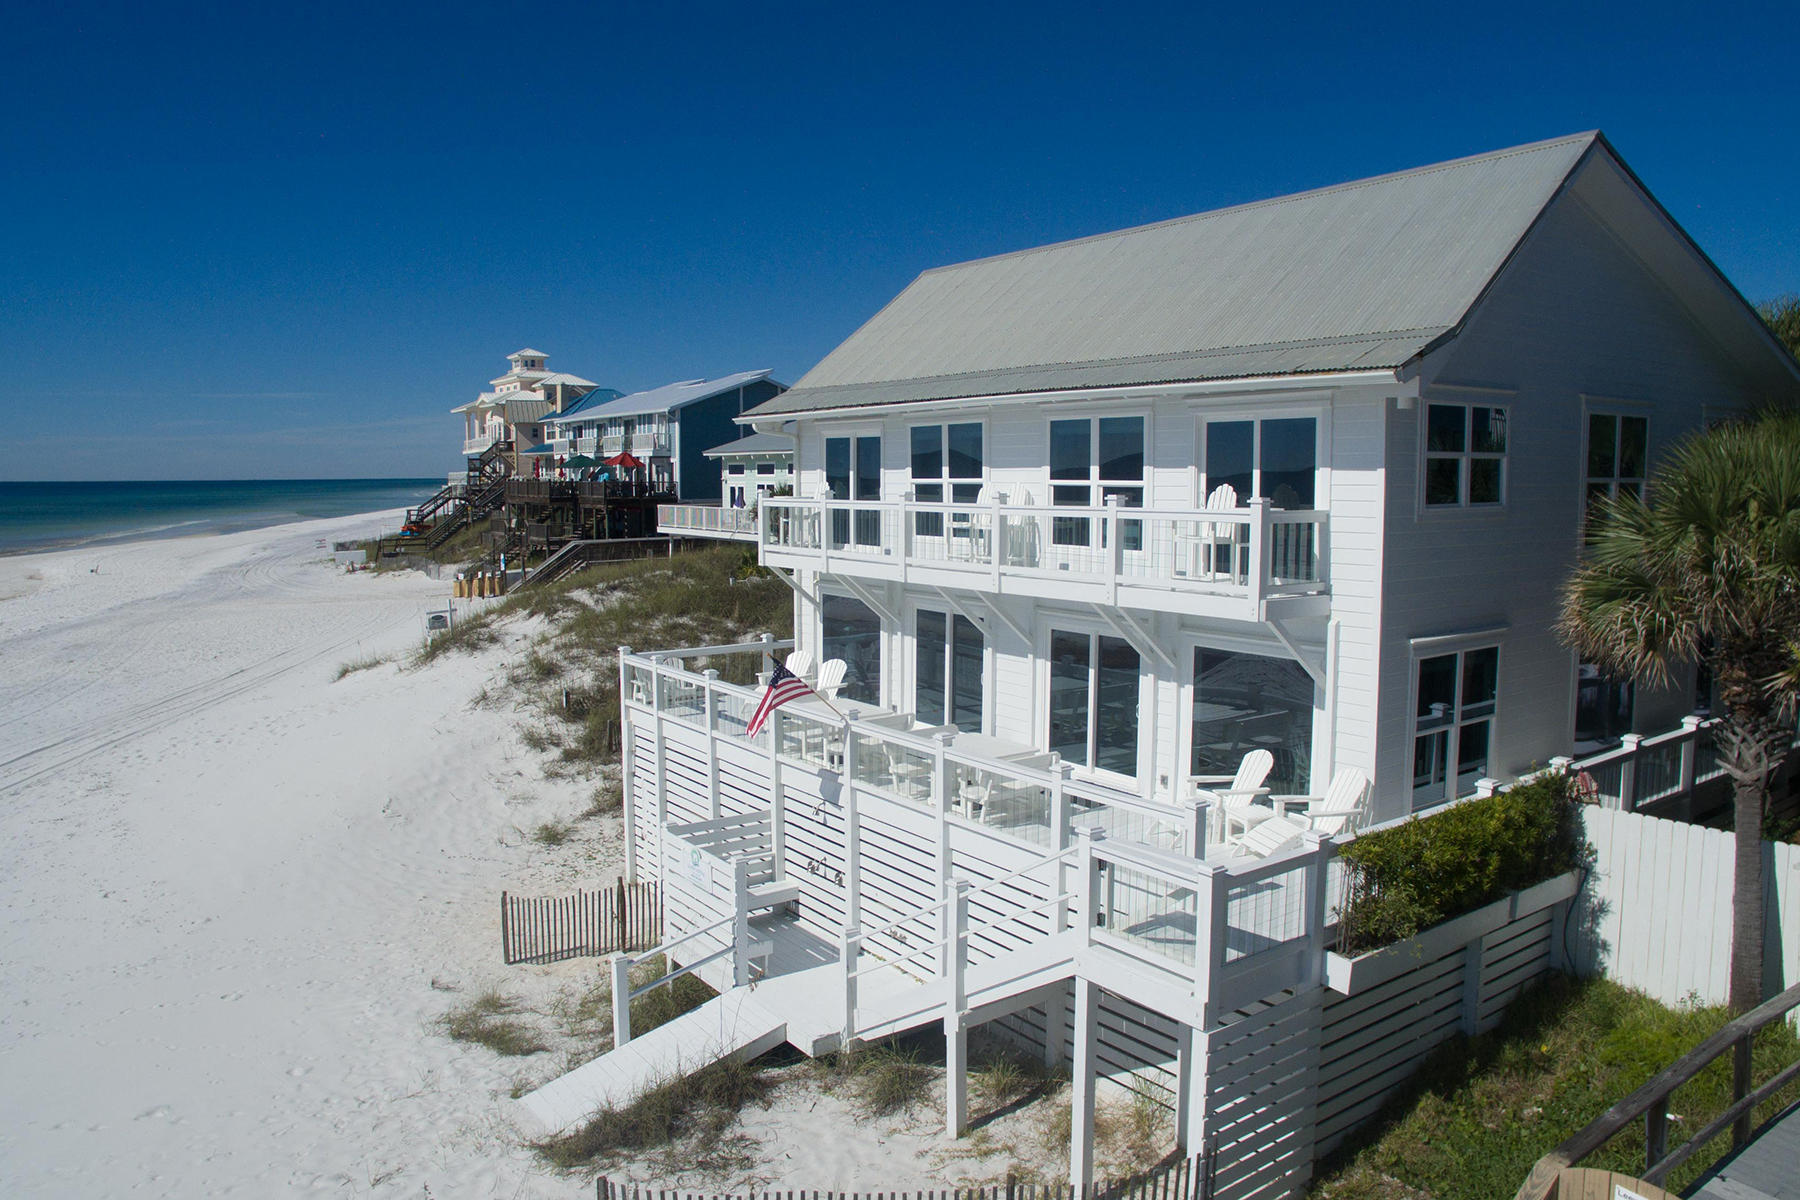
(1464,457)
(1442,647)
(1620,414)
(1191,645)
(1319,415)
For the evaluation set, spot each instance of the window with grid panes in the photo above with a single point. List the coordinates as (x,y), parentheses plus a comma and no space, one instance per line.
(944,457)
(1092,459)
(1465,455)
(1453,723)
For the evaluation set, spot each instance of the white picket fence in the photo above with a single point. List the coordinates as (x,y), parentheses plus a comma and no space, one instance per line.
(1656,914)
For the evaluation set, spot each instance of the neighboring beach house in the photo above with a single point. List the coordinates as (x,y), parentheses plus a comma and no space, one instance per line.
(667,429)
(514,411)
(1082,529)
(754,466)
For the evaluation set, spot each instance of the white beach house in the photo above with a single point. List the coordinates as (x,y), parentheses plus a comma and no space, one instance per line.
(1076,528)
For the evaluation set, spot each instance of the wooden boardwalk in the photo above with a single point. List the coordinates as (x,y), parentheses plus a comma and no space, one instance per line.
(1768,1168)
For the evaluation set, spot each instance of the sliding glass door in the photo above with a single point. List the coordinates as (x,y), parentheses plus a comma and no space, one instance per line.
(1094,701)
(948,678)
(853,471)
(1246,702)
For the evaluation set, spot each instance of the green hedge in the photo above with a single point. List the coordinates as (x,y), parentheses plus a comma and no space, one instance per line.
(1410,877)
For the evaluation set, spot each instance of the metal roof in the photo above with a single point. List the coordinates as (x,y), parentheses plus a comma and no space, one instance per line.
(528,352)
(563,377)
(667,398)
(1358,276)
(756,443)
(527,407)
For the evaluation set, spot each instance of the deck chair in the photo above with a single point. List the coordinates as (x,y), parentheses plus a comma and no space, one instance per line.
(800,662)
(1344,808)
(1219,539)
(831,677)
(1234,804)
(1268,837)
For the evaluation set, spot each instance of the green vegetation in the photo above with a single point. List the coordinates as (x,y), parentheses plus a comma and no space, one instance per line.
(470,634)
(552,833)
(1782,316)
(1412,876)
(702,1106)
(665,1003)
(491,1020)
(367,662)
(1482,1110)
(1709,570)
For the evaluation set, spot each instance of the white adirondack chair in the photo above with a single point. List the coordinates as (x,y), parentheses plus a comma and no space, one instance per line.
(1219,539)
(1344,808)
(800,662)
(831,677)
(1234,805)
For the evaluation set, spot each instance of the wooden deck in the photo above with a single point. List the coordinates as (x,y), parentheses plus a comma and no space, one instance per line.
(1768,1168)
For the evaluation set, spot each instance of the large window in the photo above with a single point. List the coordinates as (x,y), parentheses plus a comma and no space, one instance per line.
(1276,460)
(1465,455)
(852,632)
(945,455)
(1453,723)
(1094,701)
(1092,459)
(1245,702)
(948,690)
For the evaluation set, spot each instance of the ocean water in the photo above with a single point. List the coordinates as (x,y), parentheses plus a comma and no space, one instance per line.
(51,516)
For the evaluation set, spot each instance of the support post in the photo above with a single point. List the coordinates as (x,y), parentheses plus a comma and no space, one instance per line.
(1257,569)
(621,999)
(1318,901)
(849,951)
(662,752)
(956,1030)
(1190,1089)
(1209,937)
(852,839)
(768,654)
(740,925)
(1690,747)
(1081,1122)
(1197,820)
(1115,553)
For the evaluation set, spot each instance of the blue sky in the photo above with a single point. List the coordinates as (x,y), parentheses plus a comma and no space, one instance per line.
(246,240)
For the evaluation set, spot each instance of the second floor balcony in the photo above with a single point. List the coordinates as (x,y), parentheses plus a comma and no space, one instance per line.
(641,442)
(483,439)
(1228,563)
(707,520)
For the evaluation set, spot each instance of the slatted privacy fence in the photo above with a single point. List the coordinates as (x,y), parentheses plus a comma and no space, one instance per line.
(537,929)
(1185,1179)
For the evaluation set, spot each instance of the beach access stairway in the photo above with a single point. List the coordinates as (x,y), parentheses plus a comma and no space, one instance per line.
(728,915)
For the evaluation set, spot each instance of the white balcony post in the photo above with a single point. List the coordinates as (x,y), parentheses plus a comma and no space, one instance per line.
(1115,553)
(626,792)
(997,553)
(1089,891)
(1209,936)
(740,925)
(776,792)
(621,999)
(1628,771)
(1198,817)
(1318,876)
(1257,571)
(849,951)
(1690,745)
(852,839)
(956,1032)
(768,653)
(661,743)
(710,714)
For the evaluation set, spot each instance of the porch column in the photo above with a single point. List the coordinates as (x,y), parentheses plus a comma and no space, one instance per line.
(1190,1089)
(1081,1116)
(852,839)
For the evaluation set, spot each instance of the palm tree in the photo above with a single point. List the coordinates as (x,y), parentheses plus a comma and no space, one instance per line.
(1708,569)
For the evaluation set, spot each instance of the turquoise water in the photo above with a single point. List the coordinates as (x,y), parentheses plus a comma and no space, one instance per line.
(51,516)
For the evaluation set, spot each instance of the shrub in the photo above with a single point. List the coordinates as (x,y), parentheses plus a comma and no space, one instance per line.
(704,1103)
(1412,876)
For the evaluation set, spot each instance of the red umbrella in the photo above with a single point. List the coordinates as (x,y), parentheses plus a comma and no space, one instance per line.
(625,460)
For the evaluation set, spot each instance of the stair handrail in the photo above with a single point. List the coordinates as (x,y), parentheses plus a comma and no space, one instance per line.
(1652,1103)
(624,993)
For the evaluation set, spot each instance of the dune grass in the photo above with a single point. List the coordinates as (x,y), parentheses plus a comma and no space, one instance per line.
(491,1019)
(700,1106)
(1482,1110)
(366,663)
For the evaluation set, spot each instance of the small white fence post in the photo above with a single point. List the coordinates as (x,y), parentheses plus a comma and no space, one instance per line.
(621,999)
(1318,900)
(1197,821)
(849,951)
(1690,754)
(709,712)
(1210,910)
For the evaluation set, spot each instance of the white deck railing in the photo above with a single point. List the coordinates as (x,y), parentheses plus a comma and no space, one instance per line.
(1646,769)
(1247,554)
(707,520)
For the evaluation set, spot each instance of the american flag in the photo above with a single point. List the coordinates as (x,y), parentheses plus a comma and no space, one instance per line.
(784,685)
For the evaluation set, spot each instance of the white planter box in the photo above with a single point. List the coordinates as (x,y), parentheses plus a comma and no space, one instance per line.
(1351,975)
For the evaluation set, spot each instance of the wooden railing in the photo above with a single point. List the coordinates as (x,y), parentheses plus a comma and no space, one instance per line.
(537,929)
(1651,1102)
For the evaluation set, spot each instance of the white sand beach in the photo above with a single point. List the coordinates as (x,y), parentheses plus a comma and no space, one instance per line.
(230,880)
(238,894)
